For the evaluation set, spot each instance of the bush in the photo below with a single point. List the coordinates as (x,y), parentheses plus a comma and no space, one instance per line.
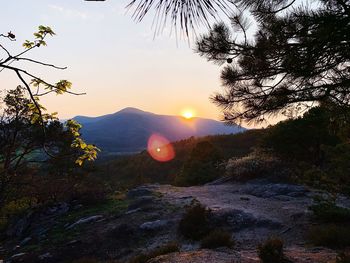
(194,224)
(328,212)
(217,238)
(271,251)
(257,164)
(166,249)
(343,257)
(330,235)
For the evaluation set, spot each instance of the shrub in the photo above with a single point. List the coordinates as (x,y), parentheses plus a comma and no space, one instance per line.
(166,249)
(195,222)
(343,257)
(330,235)
(316,177)
(271,251)
(328,212)
(257,164)
(217,238)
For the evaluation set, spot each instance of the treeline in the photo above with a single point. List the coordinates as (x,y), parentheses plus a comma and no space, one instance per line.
(205,153)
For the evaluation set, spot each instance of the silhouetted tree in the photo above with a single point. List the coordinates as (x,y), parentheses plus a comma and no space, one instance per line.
(296,58)
(37,87)
(296,55)
(21,140)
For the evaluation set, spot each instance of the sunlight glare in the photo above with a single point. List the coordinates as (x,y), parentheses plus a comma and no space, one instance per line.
(160,149)
(188,114)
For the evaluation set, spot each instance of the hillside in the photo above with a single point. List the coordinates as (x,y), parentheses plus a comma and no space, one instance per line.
(129,129)
(140,168)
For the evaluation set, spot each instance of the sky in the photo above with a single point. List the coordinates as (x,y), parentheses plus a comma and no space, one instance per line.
(116,61)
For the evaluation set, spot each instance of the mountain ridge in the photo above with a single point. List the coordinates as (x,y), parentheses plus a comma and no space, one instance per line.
(128,130)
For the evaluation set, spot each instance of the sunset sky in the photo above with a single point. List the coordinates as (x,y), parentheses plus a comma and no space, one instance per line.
(115,60)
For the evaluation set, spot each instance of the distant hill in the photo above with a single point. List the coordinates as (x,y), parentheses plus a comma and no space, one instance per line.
(128,130)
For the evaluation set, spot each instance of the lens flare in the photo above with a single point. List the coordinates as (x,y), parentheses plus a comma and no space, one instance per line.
(160,148)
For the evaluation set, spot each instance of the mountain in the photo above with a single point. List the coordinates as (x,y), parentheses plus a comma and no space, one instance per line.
(128,130)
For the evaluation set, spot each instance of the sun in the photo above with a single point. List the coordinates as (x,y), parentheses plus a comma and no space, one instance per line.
(188,114)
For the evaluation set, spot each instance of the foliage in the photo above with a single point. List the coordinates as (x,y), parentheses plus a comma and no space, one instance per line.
(22,145)
(337,167)
(332,174)
(217,238)
(38,87)
(302,139)
(326,211)
(130,171)
(187,14)
(330,235)
(343,257)
(271,251)
(163,250)
(194,224)
(263,78)
(316,146)
(13,209)
(202,166)
(256,164)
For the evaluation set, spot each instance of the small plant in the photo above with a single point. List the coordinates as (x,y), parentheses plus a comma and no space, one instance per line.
(326,210)
(343,257)
(166,249)
(254,165)
(271,251)
(330,235)
(195,222)
(217,238)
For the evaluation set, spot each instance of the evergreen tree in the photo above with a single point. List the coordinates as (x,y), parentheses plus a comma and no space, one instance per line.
(202,165)
(296,55)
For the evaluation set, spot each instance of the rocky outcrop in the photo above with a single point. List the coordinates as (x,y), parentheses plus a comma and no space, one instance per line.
(85,220)
(296,255)
(249,212)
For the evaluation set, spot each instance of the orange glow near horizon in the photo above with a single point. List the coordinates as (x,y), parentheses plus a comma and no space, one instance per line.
(160,149)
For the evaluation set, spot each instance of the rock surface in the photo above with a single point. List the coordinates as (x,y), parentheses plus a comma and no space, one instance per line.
(251,212)
(85,220)
(296,255)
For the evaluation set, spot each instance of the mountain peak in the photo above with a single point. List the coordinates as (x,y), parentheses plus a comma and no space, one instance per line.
(130,110)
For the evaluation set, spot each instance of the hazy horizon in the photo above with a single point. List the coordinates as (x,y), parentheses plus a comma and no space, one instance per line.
(116,61)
